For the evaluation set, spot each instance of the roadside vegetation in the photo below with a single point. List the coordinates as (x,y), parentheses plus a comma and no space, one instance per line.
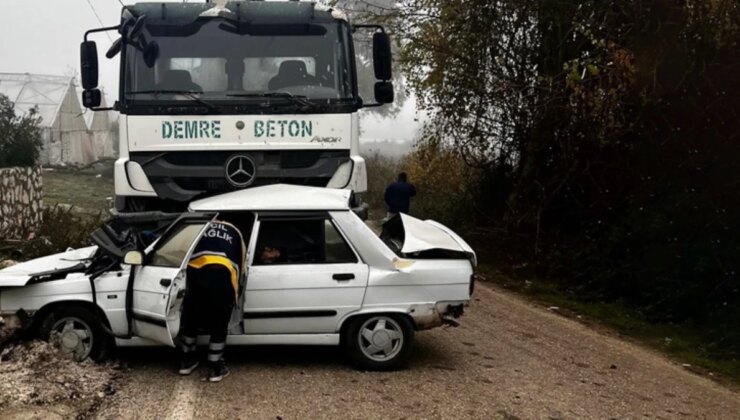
(599,142)
(76,201)
(20,135)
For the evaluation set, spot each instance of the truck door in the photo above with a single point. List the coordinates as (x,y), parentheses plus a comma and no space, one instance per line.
(160,283)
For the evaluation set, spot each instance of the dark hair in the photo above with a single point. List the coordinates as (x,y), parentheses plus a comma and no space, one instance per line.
(402,177)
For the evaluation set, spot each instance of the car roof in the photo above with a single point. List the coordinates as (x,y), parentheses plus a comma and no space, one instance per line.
(277,197)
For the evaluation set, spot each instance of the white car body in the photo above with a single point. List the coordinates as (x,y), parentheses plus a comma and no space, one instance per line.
(281,303)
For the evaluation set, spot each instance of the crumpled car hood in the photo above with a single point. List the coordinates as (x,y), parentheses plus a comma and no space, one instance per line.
(423,235)
(20,274)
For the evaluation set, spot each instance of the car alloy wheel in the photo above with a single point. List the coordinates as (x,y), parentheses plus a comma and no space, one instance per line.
(380,338)
(75,337)
(78,332)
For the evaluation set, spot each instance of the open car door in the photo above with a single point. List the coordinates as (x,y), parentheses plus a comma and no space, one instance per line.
(159,283)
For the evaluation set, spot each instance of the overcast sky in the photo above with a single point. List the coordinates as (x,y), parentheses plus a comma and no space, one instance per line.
(43,37)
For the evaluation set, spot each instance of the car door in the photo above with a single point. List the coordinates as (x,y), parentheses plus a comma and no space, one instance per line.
(318,279)
(160,283)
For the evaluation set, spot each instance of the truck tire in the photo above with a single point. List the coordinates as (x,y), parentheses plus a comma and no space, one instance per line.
(79,333)
(379,342)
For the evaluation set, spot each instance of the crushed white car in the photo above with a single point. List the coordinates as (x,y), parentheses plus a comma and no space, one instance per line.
(338,283)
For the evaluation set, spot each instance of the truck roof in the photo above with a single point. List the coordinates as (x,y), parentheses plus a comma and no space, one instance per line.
(257,12)
(277,197)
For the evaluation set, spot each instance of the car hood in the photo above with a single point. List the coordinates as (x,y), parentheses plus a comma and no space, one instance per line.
(20,274)
(424,235)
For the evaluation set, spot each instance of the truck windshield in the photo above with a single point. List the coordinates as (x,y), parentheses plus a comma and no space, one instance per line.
(215,62)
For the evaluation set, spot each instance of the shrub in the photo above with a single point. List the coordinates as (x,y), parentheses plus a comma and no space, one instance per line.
(444,185)
(62,228)
(20,136)
(382,170)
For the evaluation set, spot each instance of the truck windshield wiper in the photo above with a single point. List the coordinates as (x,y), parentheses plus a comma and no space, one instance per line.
(299,99)
(192,94)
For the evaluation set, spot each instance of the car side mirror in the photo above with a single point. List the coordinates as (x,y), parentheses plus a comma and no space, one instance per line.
(89,65)
(384,92)
(382,56)
(133,258)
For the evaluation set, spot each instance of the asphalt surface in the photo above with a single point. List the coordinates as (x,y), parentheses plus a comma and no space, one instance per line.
(509,359)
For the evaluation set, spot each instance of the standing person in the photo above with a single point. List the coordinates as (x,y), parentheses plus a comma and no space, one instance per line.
(213,277)
(398,196)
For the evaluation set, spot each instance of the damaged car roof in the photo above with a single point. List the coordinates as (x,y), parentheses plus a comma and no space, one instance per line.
(277,197)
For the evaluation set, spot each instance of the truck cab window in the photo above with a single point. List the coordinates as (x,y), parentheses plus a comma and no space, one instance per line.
(234,66)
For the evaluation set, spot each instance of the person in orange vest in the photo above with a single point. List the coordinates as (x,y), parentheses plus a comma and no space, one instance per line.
(213,275)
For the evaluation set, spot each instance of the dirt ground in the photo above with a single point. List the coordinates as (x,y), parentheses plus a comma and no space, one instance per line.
(37,381)
(508,360)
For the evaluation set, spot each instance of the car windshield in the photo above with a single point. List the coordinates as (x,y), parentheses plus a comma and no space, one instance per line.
(215,61)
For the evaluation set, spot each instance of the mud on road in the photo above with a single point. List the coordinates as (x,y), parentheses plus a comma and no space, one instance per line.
(509,359)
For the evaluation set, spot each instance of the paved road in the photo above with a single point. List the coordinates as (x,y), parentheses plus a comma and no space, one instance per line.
(508,360)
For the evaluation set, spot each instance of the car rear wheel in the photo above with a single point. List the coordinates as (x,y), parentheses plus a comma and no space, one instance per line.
(380,342)
(78,333)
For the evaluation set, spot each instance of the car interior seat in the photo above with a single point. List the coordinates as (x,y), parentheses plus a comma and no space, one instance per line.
(292,73)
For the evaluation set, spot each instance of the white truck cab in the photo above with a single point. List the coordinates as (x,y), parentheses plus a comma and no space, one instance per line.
(219,97)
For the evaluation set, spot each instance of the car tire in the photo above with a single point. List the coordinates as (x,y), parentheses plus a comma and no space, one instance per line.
(81,333)
(379,342)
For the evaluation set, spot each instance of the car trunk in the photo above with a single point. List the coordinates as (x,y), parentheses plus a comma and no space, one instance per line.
(413,238)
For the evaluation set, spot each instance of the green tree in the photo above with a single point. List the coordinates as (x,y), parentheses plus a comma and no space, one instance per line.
(382,12)
(606,134)
(20,136)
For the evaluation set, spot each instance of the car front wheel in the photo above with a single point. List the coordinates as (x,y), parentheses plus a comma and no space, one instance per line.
(77,332)
(380,342)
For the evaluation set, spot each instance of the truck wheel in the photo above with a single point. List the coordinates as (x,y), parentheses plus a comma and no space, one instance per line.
(78,333)
(379,342)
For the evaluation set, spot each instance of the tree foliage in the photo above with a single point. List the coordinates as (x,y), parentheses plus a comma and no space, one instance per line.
(20,135)
(606,136)
(373,12)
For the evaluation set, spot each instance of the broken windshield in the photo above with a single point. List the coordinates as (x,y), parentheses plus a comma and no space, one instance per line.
(221,64)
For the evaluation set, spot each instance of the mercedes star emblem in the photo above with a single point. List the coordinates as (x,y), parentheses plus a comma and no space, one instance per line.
(240,170)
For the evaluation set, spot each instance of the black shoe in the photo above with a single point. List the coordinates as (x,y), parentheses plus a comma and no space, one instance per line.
(218,371)
(188,363)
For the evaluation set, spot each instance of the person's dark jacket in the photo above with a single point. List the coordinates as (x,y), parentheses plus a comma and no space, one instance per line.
(221,244)
(398,196)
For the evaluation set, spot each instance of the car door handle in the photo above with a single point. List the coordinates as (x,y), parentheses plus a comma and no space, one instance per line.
(343,276)
(165,282)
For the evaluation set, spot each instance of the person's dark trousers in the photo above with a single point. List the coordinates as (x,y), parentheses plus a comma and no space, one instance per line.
(208,305)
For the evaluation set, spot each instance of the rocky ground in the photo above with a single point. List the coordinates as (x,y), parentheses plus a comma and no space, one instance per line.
(37,381)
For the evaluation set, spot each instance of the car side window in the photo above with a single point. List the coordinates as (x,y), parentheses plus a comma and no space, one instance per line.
(336,249)
(172,252)
(313,241)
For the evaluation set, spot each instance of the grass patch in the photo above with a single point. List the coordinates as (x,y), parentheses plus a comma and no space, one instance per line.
(87,192)
(685,343)
(75,203)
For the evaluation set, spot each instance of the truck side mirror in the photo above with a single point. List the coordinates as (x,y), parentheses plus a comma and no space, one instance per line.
(383,92)
(89,64)
(382,56)
(91,98)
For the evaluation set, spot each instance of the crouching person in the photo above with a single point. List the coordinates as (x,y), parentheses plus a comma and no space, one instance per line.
(213,274)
